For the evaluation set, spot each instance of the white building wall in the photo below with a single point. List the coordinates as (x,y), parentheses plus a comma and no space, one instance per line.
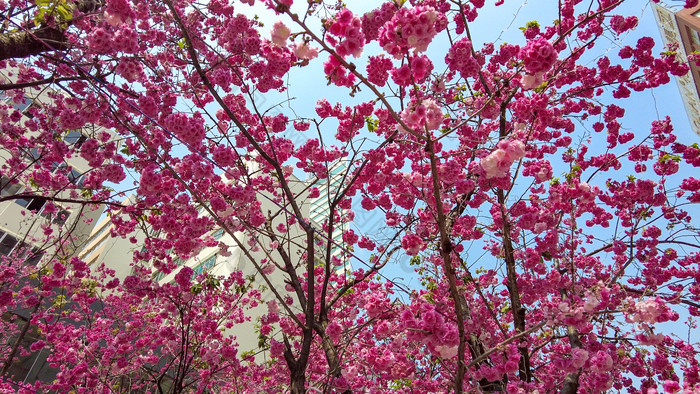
(22,219)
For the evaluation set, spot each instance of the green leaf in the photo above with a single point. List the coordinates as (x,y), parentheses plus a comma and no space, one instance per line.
(64,12)
(196,289)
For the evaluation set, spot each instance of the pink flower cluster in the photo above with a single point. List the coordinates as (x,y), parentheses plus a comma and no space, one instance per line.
(126,39)
(118,12)
(129,69)
(378,70)
(269,73)
(418,71)
(189,129)
(347,26)
(433,330)
(498,162)
(99,40)
(422,116)
(279,34)
(651,310)
(240,36)
(620,24)
(302,50)
(538,55)
(337,73)
(412,244)
(112,173)
(183,277)
(460,59)
(412,28)
(374,20)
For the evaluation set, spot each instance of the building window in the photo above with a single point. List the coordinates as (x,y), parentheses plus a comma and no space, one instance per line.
(32,203)
(205,265)
(75,177)
(9,188)
(59,217)
(32,255)
(10,245)
(7,243)
(75,138)
(21,106)
(34,154)
(218,233)
(158,276)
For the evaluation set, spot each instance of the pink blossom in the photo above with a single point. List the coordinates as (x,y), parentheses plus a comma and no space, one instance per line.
(334,330)
(531,81)
(280,33)
(5,297)
(578,358)
(349,237)
(184,276)
(422,116)
(273,307)
(447,352)
(411,28)
(412,244)
(649,310)
(498,162)
(346,27)
(378,69)
(460,59)
(671,386)
(495,163)
(538,55)
(601,362)
(302,50)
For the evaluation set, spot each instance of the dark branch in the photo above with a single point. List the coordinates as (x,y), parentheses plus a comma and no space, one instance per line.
(21,44)
(25,43)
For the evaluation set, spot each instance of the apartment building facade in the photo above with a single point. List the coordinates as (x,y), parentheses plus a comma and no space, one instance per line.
(36,224)
(682,26)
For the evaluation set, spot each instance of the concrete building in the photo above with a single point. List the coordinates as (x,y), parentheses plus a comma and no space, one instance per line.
(682,26)
(117,254)
(320,209)
(22,217)
(114,252)
(37,225)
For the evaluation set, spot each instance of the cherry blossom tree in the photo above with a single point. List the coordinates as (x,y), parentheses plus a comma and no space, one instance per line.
(516,153)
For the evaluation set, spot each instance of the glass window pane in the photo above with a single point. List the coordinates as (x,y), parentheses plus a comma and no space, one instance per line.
(61,217)
(9,189)
(7,243)
(34,257)
(74,176)
(22,105)
(36,204)
(72,137)
(23,201)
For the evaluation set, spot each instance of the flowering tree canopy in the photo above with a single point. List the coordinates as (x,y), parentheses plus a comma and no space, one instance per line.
(554,248)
